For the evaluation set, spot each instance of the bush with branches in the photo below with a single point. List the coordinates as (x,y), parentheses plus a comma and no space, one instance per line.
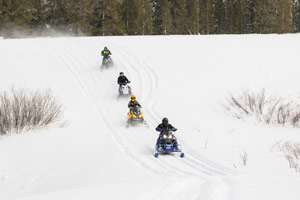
(24,109)
(269,109)
(291,152)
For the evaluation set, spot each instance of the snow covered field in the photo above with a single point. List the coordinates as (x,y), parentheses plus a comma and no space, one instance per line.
(184,78)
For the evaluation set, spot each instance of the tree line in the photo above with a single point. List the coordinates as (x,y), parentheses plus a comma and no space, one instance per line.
(147,17)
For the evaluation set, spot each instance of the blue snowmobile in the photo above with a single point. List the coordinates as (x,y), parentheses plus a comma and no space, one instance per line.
(167,144)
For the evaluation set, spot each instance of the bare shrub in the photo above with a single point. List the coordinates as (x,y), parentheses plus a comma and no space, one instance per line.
(291,152)
(24,110)
(292,162)
(268,109)
(244,157)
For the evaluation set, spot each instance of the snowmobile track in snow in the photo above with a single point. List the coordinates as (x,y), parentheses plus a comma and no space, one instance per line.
(97,86)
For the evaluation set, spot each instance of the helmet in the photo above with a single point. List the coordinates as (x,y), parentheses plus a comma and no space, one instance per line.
(105,48)
(132,98)
(165,120)
(121,74)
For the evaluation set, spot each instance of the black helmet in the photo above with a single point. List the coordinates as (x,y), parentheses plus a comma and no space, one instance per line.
(105,48)
(121,74)
(165,120)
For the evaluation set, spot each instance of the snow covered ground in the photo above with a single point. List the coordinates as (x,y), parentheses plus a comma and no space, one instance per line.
(184,78)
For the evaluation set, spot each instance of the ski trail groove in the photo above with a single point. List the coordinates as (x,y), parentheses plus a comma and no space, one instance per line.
(122,144)
(96,87)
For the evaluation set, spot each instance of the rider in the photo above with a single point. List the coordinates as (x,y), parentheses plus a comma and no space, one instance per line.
(163,127)
(122,80)
(133,103)
(105,53)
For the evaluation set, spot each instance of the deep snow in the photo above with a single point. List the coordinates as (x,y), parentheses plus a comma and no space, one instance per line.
(184,78)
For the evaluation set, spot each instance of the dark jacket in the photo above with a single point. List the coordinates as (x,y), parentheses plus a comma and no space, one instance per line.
(132,104)
(122,80)
(105,53)
(161,127)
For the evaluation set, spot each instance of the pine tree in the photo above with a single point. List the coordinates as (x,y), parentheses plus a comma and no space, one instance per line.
(57,14)
(273,16)
(260,23)
(230,20)
(220,16)
(284,20)
(147,17)
(265,16)
(105,18)
(236,16)
(78,16)
(249,14)
(296,15)
(132,16)
(162,17)
(207,17)
(240,25)
(16,17)
(179,16)
(193,16)
(37,23)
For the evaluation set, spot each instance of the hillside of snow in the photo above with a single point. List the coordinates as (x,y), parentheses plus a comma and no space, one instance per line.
(184,78)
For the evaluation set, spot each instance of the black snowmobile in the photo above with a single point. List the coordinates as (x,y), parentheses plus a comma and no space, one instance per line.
(107,62)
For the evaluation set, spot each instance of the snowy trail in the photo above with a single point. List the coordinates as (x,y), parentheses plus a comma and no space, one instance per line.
(136,143)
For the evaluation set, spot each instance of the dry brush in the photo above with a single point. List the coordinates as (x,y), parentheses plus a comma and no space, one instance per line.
(24,109)
(269,109)
(291,151)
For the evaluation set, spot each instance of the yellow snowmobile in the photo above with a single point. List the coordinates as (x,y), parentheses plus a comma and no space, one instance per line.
(135,116)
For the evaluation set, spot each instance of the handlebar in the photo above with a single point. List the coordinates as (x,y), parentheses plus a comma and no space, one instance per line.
(167,130)
(124,83)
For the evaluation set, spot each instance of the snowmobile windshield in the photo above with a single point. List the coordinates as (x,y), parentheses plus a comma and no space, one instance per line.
(135,110)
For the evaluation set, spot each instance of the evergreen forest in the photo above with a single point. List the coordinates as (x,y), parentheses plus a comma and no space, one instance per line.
(21,18)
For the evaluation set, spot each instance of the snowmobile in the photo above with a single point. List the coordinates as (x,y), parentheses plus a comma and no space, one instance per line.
(125,91)
(107,62)
(167,144)
(135,117)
